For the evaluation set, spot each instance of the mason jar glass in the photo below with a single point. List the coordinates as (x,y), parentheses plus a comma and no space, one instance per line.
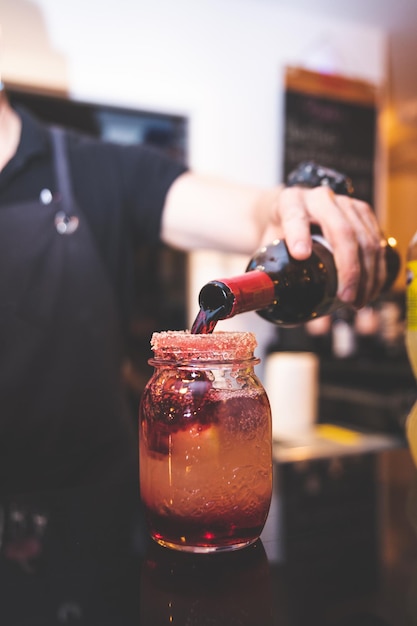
(205,443)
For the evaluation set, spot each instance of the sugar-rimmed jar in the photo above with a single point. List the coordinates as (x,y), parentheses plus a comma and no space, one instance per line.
(205,443)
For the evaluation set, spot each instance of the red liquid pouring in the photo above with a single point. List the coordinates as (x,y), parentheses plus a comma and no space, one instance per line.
(205,322)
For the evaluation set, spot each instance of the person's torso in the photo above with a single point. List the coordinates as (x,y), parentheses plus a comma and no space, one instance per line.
(61,402)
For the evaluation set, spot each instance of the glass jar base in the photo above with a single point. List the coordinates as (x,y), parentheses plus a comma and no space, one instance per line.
(205,549)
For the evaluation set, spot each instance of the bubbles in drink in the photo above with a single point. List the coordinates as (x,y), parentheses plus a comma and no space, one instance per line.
(210,481)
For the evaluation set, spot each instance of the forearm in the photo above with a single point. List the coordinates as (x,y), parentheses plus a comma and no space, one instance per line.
(205,212)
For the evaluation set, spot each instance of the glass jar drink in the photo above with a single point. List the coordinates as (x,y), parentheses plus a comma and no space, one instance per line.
(205,442)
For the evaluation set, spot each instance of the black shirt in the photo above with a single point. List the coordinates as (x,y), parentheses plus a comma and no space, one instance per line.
(120,189)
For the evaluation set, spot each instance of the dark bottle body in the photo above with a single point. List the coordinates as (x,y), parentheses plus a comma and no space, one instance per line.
(281,289)
(303,290)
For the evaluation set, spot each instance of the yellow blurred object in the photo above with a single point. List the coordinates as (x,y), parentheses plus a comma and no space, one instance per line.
(338,434)
(411,337)
(411,430)
(411,330)
(411,300)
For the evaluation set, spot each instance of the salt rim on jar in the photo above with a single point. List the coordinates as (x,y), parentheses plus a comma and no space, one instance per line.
(175,345)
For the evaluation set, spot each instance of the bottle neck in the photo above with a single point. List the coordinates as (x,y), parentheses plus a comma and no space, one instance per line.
(251,291)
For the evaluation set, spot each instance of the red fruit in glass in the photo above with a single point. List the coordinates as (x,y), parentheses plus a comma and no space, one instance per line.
(205,443)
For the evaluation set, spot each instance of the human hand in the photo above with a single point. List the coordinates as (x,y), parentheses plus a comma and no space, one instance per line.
(348,224)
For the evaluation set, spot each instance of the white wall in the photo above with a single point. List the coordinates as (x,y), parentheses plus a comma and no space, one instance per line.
(218,61)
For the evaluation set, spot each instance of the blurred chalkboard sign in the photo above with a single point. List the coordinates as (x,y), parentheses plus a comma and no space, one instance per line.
(331,120)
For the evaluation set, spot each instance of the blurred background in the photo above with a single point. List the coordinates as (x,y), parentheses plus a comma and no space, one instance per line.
(207,82)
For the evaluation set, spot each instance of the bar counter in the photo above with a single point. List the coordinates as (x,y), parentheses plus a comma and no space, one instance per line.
(338,549)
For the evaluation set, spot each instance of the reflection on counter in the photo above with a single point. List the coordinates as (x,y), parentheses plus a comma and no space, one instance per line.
(225,588)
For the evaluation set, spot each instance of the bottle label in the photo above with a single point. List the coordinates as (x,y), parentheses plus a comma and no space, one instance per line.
(412,295)
(253,291)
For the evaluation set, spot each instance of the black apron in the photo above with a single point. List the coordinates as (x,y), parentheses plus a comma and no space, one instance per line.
(63,419)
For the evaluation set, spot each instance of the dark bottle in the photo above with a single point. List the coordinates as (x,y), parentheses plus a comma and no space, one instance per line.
(281,289)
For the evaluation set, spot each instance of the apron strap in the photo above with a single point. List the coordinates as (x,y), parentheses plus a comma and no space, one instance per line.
(62,171)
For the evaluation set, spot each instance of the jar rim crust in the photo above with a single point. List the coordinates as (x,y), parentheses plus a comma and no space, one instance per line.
(218,347)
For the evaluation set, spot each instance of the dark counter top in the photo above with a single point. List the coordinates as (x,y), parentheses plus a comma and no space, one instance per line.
(82,557)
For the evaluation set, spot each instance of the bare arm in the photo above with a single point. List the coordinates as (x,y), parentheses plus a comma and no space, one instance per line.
(203,212)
